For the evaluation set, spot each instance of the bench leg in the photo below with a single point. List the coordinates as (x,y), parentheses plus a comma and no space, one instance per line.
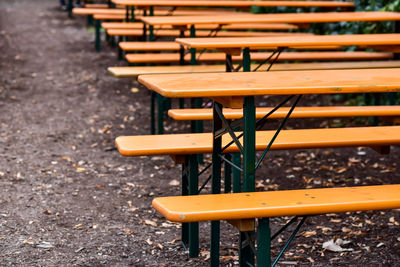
(263,243)
(152,113)
(120,52)
(246,253)
(97,35)
(197,126)
(160,114)
(90,21)
(69,8)
(216,184)
(193,190)
(228,175)
(185,192)
(236,174)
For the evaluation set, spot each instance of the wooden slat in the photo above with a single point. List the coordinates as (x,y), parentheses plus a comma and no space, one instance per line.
(234,3)
(278,203)
(201,143)
(176,33)
(134,72)
(274,83)
(258,56)
(242,26)
(294,18)
(299,112)
(291,41)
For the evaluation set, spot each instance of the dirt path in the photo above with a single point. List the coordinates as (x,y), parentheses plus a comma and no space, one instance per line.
(68,198)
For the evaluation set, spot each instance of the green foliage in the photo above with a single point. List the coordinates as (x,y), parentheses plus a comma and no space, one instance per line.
(352,28)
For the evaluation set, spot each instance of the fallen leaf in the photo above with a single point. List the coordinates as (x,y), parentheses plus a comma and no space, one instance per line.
(149,222)
(128,232)
(159,246)
(44,244)
(308,233)
(134,90)
(174,183)
(148,241)
(78,226)
(178,239)
(335,246)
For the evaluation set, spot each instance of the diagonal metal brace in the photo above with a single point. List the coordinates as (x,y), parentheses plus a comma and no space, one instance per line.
(278,51)
(284,227)
(277,132)
(292,236)
(229,129)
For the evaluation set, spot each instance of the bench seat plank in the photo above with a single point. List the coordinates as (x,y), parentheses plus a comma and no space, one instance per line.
(240,26)
(237,3)
(299,112)
(201,143)
(175,33)
(261,56)
(133,72)
(277,203)
(157,12)
(173,46)
(149,46)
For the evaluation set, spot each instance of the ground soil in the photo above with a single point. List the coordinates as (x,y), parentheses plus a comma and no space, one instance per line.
(68,198)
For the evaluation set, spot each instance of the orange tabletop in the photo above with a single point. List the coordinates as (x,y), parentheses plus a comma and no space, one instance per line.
(233,3)
(388,39)
(240,84)
(320,17)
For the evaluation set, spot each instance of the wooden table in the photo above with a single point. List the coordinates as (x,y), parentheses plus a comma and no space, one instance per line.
(239,90)
(150,4)
(236,46)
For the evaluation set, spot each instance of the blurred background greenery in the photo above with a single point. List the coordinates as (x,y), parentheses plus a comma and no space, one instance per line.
(352,28)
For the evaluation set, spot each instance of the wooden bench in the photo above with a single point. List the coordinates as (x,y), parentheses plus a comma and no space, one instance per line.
(183,149)
(240,209)
(177,145)
(242,26)
(173,46)
(299,112)
(167,58)
(176,33)
(134,72)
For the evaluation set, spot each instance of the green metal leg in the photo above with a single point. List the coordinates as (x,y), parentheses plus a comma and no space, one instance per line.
(377,102)
(193,60)
(151,28)
(132,13)
(263,243)
(69,8)
(228,175)
(181,103)
(193,190)
(90,21)
(249,144)
(246,255)
(392,98)
(120,52)
(97,35)
(152,112)
(182,49)
(127,13)
(237,175)
(249,160)
(185,192)
(246,59)
(197,125)
(144,36)
(160,114)
(216,185)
